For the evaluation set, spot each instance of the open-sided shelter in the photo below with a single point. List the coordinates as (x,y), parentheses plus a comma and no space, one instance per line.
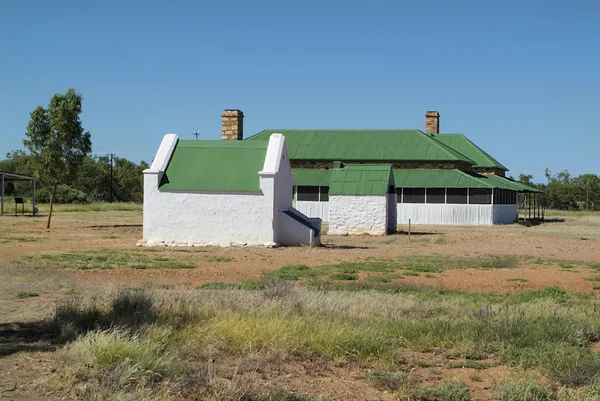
(6,176)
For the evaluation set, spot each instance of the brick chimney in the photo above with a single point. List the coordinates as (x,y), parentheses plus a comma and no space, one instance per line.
(232,128)
(432,122)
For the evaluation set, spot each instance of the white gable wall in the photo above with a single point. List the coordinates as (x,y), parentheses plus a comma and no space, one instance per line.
(357,214)
(185,218)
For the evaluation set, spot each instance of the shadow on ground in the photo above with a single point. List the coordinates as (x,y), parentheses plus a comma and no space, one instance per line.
(27,337)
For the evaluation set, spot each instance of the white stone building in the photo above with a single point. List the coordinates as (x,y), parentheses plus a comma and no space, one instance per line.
(223,193)
(362,200)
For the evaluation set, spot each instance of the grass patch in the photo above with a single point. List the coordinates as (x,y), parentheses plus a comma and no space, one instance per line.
(469,364)
(521,389)
(344,276)
(153,337)
(109,259)
(453,390)
(521,280)
(593,279)
(27,294)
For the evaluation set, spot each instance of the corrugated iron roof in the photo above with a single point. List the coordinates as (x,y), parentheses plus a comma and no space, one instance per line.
(215,166)
(361,179)
(311,176)
(514,185)
(365,145)
(463,145)
(418,178)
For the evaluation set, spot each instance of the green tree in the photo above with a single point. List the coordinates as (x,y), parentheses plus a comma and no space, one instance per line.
(57,141)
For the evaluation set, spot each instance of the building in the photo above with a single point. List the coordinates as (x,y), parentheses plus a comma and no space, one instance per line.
(362,199)
(439,178)
(223,193)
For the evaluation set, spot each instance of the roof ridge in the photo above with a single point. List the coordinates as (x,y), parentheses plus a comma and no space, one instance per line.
(447,148)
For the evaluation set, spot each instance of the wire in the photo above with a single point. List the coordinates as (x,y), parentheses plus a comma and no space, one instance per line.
(133,143)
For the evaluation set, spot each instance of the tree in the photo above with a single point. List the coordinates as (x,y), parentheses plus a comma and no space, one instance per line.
(57,141)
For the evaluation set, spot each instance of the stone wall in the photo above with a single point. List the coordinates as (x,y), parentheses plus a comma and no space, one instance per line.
(488,171)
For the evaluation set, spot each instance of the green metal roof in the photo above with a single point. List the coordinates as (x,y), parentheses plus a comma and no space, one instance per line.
(503,182)
(361,179)
(461,144)
(311,176)
(364,145)
(413,178)
(215,166)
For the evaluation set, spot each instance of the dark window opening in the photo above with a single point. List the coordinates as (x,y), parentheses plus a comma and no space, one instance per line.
(457,196)
(312,193)
(308,193)
(414,195)
(324,194)
(436,195)
(399,195)
(480,196)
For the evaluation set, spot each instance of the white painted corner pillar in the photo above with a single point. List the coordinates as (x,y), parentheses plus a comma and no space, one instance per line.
(152,178)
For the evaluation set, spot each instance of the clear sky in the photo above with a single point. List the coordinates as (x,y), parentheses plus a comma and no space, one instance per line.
(521,79)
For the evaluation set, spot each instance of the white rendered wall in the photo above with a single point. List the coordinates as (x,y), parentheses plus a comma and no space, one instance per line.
(357,214)
(505,214)
(294,232)
(314,209)
(188,218)
(184,218)
(449,214)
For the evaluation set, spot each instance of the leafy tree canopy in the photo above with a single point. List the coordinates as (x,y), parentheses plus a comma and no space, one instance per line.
(57,140)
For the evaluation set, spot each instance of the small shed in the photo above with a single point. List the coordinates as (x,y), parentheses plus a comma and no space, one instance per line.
(223,193)
(362,199)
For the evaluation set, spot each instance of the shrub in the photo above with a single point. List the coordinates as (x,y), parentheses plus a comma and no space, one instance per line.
(277,288)
(520,390)
(453,390)
(394,381)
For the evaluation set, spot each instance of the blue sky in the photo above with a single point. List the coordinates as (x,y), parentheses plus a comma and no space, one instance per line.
(519,78)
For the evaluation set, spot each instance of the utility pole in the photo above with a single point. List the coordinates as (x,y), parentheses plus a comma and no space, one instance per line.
(111,176)
(196,134)
(587,194)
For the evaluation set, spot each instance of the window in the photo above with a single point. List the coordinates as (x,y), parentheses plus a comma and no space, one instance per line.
(399,195)
(457,196)
(324,194)
(308,193)
(436,195)
(504,197)
(312,193)
(414,195)
(478,196)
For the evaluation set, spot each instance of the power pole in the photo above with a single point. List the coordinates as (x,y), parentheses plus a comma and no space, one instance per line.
(587,194)
(111,176)
(196,134)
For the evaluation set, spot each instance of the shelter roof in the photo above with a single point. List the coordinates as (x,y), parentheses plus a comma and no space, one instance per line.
(215,166)
(16,177)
